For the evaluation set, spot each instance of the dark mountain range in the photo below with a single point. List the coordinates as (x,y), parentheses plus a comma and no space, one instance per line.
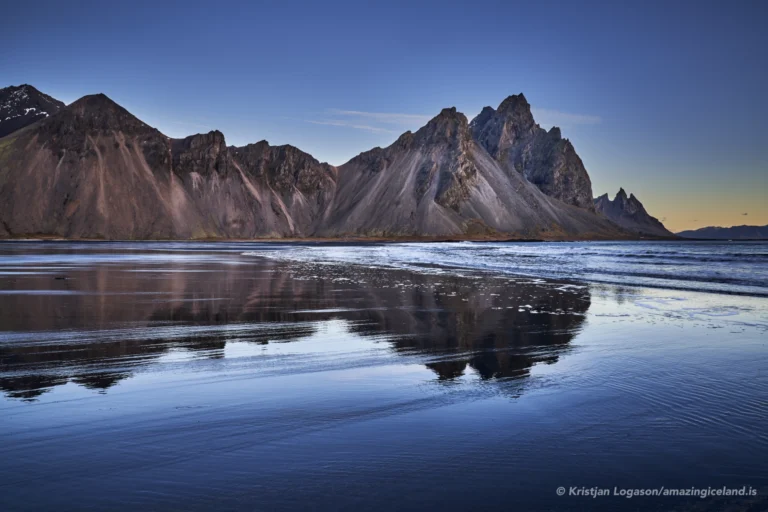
(96,171)
(732,233)
(629,213)
(93,170)
(22,105)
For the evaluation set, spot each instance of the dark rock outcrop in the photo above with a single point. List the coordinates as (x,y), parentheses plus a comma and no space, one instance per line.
(23,105)
(732,233)
(512,138)
(93,170)
(629,213)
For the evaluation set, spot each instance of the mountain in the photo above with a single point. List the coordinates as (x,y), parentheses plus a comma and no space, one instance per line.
(440,181)
(732,233)
(96,171)
(93,170)
(22,105)
(629,213)
(512,137)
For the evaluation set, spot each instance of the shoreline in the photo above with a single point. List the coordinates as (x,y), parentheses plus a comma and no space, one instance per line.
(404,239)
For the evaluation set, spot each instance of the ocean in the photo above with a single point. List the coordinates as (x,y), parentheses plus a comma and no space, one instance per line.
(383,376)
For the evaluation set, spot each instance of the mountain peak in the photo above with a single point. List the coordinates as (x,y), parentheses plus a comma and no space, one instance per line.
(483,118)
(514,102)
(450,113)
(22,105)
(19,89)
(511,136)
(448,125)
(214,137)
(95,101)
(630,214)
(517,111)
(92,115)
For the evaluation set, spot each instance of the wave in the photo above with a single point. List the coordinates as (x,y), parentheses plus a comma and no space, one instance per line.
(714,267)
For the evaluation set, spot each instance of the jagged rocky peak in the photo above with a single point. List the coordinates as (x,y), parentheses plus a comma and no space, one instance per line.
(203,153)
(499,129)
(482,119)
(448,126)
(512,137)
(214,138)
(517,109)
(629,213)
(284,167)
(263,151)
(23,105)
(629,204)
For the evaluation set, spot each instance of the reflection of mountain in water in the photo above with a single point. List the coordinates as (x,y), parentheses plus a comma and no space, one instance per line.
(97,327)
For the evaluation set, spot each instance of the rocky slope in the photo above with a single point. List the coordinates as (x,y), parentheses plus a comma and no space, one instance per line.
(93,170)
(544,158)
(439,181)
(23,105)
(732,233)
(629,213)
(96,171)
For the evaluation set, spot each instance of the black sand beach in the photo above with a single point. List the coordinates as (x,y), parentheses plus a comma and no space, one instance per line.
(193,376)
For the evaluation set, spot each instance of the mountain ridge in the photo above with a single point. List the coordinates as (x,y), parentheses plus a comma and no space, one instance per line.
(93,170)
(743,232)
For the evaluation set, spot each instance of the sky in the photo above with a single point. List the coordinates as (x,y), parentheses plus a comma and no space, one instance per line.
(665,99)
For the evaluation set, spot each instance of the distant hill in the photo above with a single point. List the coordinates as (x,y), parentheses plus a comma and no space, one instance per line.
(732,233)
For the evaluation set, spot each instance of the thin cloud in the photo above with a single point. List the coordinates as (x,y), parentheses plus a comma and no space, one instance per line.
(549,117)
(345,124)
(382,117)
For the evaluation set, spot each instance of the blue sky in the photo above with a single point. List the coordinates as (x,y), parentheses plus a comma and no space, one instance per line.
(665,99)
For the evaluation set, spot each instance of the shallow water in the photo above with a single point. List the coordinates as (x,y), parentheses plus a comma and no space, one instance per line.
(723,267)
(186,376)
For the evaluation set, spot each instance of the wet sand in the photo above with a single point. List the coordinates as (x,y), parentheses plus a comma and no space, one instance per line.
(200,377)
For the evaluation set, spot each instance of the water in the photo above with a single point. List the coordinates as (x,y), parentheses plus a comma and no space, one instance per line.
(723,267)
(260,376)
